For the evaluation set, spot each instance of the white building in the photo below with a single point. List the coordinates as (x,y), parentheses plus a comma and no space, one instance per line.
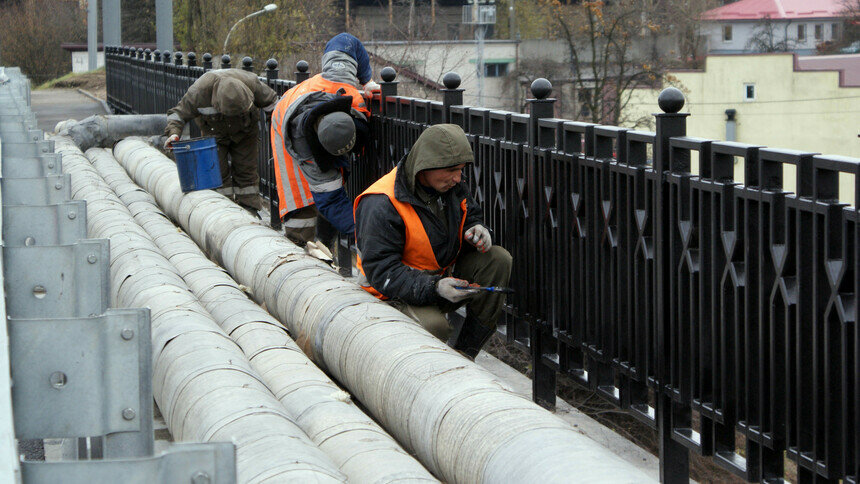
(772,25)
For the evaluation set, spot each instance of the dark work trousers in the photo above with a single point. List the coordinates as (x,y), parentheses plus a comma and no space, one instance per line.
(237,157)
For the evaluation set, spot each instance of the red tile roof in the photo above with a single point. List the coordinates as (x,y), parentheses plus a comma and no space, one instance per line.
(776,9)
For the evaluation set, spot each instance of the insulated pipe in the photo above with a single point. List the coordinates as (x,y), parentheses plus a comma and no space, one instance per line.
(362,449)
(462,422)
(105,130)
(202,382)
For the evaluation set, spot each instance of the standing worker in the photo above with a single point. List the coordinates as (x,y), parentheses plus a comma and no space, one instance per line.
(226,104)
(314,127)
(410,227)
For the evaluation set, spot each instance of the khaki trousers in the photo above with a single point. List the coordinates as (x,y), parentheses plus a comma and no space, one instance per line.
(492,268)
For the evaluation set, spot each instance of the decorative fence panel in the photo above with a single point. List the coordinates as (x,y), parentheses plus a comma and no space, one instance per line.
(713,309)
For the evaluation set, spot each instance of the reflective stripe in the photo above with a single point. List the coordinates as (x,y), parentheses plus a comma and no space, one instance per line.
(329,186)
(225,190)
(207,111)
(300,223)
(250,190)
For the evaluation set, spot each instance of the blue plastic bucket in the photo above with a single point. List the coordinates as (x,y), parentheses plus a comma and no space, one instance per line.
(197,163)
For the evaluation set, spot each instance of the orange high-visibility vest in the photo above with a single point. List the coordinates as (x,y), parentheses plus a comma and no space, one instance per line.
(293,190)
(417,251)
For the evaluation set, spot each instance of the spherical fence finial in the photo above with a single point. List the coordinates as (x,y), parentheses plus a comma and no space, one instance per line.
(302,66)
(271,64)
(140,52)
(207,57)
(451,80)
(192,57)
(247,61)
(388,74)
(177,56)
(165,56)
(671,100)
(541,88)
(225,59)
(156,54)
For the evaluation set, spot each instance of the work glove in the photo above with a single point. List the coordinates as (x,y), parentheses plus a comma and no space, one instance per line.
(446,288)
(371,88)
(170,140)
(479,236)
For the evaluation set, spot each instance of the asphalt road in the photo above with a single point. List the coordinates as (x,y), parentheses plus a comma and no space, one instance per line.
(54,105)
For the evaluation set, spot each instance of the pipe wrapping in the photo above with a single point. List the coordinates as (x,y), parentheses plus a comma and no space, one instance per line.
(105,130)
(202,382)
(362,449)
(461,421)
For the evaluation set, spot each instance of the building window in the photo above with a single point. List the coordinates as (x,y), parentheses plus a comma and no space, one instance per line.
(727,33)
(801,33)
(495,69)
(834,31)
(819,32)
(749,92)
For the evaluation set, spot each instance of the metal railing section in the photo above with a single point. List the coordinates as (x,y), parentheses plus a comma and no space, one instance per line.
(80,370)
(714,311)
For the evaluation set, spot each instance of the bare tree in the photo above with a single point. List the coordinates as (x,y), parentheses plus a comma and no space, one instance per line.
(33,31)
(606,59)
(770,36)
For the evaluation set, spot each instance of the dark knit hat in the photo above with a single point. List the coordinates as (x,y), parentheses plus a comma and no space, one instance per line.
(336,132)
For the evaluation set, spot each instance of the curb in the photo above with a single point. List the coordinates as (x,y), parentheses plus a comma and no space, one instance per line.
(94,98)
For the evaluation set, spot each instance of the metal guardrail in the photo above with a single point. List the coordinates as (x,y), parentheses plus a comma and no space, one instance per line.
(715,311)
(77,368)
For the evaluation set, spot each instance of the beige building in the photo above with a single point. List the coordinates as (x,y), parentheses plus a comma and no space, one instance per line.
(779,100)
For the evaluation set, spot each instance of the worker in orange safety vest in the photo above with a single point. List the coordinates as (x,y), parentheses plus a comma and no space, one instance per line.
(411,226)
(314,128)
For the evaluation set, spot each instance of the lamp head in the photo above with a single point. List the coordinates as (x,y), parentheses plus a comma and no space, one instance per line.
(270,7)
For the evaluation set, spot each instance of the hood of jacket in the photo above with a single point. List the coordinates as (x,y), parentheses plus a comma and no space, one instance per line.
(231,97)
(439,146)
(352,47)
(339,67)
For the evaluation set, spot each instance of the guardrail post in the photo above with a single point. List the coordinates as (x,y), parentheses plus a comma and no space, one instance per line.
(540,337)
(271,183)
(301,73)
(674,457)
(452,95)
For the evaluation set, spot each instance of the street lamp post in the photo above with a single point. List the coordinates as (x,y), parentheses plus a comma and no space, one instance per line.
(268,8)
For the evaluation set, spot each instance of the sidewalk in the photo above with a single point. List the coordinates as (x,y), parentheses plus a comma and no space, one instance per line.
(54,105)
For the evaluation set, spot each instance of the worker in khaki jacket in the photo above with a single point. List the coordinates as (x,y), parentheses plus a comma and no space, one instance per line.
(411,226)
(226,104)
(315,126)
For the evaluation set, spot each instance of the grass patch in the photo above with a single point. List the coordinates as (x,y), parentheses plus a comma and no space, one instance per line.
(72,79)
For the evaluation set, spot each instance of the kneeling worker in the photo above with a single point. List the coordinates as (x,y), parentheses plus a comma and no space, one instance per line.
(226,104)
(410,229)
(314,127)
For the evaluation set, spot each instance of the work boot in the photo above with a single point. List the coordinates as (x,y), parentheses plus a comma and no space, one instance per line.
(470,337)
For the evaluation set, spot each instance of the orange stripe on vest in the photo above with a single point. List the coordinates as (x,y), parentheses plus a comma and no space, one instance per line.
(299,194)
(417,251)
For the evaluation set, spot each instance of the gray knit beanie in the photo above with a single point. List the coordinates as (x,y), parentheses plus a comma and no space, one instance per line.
(336,132)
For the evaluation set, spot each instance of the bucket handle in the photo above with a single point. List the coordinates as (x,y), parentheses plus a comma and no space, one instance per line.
(181,148)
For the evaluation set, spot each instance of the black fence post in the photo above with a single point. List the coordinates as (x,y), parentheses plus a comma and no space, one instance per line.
(302,73)
(207,62)
(388,86)
(540,338)
(451,95)
(247,64)
(166,75)
(674,457)
(192,59)
(225,62)
(271,183)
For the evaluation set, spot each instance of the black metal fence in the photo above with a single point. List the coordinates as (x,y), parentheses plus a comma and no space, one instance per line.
(723,314)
